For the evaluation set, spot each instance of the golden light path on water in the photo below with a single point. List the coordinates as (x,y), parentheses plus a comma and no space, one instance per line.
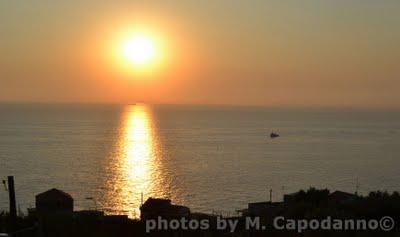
(136,163)
(138,148)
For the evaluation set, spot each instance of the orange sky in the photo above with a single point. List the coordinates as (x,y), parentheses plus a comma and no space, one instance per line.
(308,53)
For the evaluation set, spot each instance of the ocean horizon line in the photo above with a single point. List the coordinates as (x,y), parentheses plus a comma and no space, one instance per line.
(211,105)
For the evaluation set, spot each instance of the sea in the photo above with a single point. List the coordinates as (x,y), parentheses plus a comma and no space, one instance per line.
(213,159)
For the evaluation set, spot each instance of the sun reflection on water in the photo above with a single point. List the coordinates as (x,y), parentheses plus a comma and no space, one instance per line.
(138,147)
(135,162)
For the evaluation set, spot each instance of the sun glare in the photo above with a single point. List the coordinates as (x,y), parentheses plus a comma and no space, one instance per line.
(138,53)
(139,50)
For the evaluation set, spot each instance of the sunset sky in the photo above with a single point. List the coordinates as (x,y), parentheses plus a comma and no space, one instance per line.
(266,52)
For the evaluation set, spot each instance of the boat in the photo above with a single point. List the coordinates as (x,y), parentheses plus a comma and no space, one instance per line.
(274,135)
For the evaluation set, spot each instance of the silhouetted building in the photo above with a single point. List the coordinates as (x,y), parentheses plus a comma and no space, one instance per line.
(54,201)
(340,197)
(264,208)
(288,198)
(88,214)
(154,207)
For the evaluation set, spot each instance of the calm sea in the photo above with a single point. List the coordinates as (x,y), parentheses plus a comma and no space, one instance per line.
(206,157)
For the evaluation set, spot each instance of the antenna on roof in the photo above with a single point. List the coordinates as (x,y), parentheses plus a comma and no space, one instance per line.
(357,186)
(94,201)
(141,199)
(270,195)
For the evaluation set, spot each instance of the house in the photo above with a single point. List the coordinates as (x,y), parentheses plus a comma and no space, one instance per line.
(54,201)
(264,208)
(290,198)
(340,197)
(155,207)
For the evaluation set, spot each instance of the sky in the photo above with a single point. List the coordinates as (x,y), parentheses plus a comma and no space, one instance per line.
(341,53)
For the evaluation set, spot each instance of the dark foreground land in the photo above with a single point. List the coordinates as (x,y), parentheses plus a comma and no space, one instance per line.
(53,217)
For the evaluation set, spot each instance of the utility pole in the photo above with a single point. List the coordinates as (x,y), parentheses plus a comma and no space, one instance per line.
(13,206)
(11,194)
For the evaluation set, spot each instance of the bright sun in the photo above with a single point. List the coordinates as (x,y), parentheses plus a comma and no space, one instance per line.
(139,50)
(136,51)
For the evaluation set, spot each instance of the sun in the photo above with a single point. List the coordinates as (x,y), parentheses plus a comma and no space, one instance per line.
(139,50)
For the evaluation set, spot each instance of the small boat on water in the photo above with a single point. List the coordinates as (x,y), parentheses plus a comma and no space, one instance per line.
(274,135)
